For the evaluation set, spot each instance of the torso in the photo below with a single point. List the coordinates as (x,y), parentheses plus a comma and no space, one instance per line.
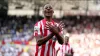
(65,49)
(48,48)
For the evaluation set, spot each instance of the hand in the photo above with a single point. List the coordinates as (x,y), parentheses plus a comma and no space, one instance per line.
(61,25)
(68,54)
(52,28)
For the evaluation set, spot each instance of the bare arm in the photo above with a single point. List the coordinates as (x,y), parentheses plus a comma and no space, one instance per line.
(55,30)
(59,37)
(31,38)
(42,40)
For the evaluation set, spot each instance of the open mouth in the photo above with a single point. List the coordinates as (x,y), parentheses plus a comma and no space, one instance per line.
(49,12)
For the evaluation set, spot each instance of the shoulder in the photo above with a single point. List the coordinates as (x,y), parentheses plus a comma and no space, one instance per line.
(39,22)
(37,25)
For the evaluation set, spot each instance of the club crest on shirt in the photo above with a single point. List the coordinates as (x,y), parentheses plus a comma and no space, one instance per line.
(35,28)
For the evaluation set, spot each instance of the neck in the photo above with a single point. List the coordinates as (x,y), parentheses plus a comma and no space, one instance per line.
(66,43)
(48,18)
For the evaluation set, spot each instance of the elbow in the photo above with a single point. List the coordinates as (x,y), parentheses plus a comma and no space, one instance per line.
(61,42)
(38,43)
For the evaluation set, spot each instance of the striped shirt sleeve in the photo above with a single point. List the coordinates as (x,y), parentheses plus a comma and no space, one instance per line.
(36,29)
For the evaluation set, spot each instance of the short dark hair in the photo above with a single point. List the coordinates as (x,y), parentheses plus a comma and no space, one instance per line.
(46,5)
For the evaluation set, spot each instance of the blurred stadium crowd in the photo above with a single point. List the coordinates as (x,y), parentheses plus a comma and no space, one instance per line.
(82,24)
(16,28)
(16,31)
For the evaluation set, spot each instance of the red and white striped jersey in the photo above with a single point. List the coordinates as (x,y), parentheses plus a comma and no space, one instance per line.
(64,49)
(48,48)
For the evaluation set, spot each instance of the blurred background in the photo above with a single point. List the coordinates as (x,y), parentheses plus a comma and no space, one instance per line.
(81,18)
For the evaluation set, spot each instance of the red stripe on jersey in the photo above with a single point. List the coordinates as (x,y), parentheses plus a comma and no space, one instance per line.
(65,47)
(69,48)
(36,54)
(45,34)
(48,52)
(50,43)
(41,29)
(53,44)
(43,47)
(54,51)
(36,34)
(53,48)
(62,50)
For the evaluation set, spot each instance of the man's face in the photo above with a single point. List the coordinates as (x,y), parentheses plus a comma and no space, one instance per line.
(66,40)
(48,11)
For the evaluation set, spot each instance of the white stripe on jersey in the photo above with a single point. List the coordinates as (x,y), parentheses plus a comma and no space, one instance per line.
(46,49)
(42,26)
(64,49)
(47,44)
(39,28)
(47,41)
(51,50)
(39,50)
(50,46)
